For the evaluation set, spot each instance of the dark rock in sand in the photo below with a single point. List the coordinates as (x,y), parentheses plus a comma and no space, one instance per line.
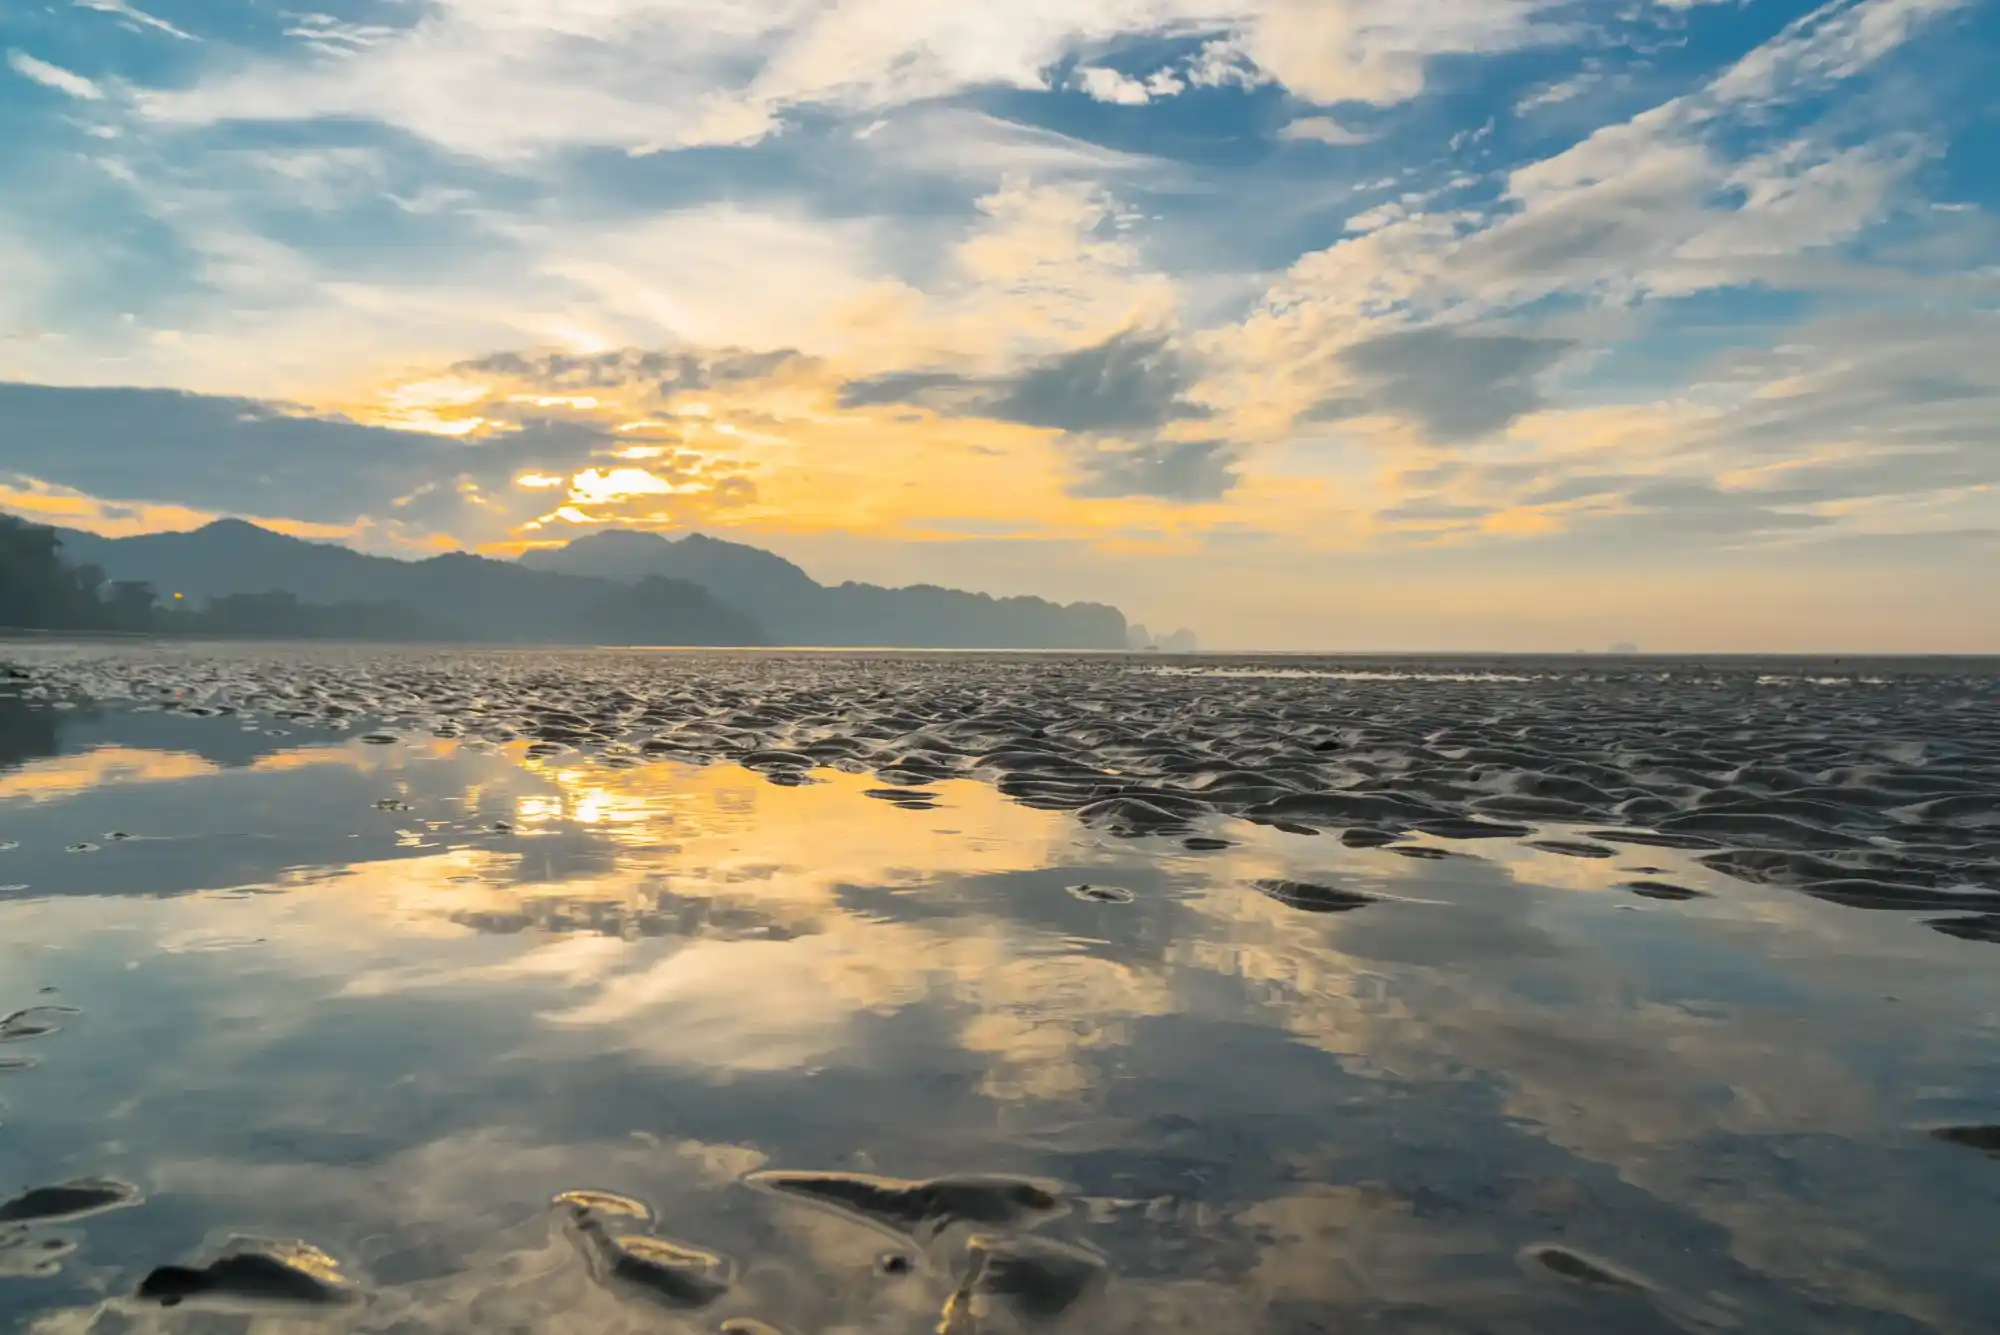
(1859,892)
(922,1208)
(1663,890)
(1985,1139)
(1310,897)
(68,1200)
(1362,836)
(1577,1268)
(291,1274)
(33,1022)
(1573,848)
(1975,927)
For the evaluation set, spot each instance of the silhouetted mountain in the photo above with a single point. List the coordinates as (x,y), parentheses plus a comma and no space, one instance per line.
(454,596)
(1183,641)
(796,609)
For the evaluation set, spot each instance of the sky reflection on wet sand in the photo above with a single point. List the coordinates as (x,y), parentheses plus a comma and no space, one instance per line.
(321,997)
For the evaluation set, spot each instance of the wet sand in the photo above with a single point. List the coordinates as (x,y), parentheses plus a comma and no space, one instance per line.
(796,992)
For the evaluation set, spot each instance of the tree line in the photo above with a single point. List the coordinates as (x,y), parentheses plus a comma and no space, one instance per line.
(40,590)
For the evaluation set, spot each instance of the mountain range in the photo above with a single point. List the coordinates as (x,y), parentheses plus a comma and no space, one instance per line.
(613,587)
(796,609)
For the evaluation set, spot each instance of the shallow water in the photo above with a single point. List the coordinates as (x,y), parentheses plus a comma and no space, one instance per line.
(807,993)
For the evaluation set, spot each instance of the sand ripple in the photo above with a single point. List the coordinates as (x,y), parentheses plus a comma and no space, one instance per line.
(1870,785)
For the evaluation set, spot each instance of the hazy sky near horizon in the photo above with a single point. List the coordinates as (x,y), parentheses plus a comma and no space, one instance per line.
(1510,324)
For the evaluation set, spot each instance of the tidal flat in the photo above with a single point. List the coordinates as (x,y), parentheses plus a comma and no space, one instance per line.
(816,993)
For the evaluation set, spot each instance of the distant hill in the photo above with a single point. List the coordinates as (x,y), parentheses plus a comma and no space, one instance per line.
(454,596)
(607,588)
(796,609)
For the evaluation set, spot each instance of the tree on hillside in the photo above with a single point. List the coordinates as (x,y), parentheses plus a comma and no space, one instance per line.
(39,591)
(130,604)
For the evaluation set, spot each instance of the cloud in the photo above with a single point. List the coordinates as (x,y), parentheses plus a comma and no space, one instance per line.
(132,14)
(1554,94)
(1108,85)
(1328,51)
(1322,130)
(1702,509)
(1114,401)
(717,275)
(1696,195)
(987,151)
(1818,50)
(1131,382)
(945,391)
(54,76)
(1171,470)
(245,456)
(1458,385)
(647,75)
(662,373)
(1000,323)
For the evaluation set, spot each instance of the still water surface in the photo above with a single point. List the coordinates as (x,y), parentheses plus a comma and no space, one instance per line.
(420,1033)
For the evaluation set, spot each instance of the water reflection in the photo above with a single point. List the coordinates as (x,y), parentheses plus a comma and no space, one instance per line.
(449,1035)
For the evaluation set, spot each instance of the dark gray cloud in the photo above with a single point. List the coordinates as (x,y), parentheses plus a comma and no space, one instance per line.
(898,387)
(1700,509)
(247,456)
(1644,513)
(1583,487)
(1111,400)
(1132,383)
(1433,510)
(940,391)
(666,372)
(1174,470)
(1460,386)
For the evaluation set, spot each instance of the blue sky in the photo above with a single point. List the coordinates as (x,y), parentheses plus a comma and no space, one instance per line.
(1307,323)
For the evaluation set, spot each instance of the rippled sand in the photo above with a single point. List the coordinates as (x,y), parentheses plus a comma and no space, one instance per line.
(803,993)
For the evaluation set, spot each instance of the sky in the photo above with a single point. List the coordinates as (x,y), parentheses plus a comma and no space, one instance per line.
(1528,325)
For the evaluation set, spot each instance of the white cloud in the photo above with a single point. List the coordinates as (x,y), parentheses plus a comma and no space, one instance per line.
(54,76)
(1834,42)
(1375,219)
(1108,85)
(984,150)
(135,15)
(1664,205)
(1328,51)
(716,276)
(1565,90)
(730,1005)
(1322,130)
(507,78)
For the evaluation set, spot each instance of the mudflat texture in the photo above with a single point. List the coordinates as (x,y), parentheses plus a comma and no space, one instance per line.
(751,992)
